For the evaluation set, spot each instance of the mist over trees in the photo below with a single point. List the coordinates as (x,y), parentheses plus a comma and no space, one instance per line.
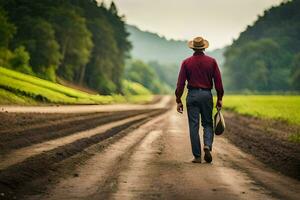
(148,46)
(163,55)
(145,74)
(77,40)
(265,57)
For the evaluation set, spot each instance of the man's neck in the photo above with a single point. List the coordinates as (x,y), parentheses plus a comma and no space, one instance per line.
(200,52)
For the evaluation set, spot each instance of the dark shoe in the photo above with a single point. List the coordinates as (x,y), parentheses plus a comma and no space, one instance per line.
(196,160)
(207,156)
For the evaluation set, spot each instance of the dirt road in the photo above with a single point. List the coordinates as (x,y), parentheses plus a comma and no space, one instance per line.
(144,155)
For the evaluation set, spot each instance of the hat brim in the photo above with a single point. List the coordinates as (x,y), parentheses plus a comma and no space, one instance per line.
(205,45)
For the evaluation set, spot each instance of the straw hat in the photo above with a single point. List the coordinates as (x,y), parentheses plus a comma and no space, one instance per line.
(198,43)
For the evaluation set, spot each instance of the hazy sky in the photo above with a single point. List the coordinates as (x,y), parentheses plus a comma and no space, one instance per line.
(217,20)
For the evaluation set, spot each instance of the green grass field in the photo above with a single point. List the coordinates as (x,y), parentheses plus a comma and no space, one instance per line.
(276,107)
(19,88)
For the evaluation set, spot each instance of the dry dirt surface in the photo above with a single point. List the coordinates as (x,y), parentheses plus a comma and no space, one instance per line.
(133,154)
(267,140)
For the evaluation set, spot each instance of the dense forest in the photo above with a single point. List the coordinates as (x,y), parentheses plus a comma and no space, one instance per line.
(266,56)
(85,43)
(76,40)
(89,44)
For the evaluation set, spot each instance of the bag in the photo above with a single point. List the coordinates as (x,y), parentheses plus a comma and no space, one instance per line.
(219,123)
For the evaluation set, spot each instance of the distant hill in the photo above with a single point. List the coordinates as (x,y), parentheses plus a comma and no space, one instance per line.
(163,55)
(149,46)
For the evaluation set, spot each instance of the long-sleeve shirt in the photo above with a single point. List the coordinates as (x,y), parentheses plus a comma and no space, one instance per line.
(200,71)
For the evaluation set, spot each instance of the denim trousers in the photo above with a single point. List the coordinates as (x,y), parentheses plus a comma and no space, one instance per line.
(199,103)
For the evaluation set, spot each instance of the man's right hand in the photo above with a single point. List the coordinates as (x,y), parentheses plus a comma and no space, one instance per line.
(180,108)
(219,104)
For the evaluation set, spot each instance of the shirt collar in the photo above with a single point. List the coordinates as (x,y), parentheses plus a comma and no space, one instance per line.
(198,53)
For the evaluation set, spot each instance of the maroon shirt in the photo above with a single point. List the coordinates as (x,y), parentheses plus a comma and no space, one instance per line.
(200,71)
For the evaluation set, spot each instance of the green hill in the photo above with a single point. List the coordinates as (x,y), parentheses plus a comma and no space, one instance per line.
(149,46)
(83,42)
(266,56)
(19,88)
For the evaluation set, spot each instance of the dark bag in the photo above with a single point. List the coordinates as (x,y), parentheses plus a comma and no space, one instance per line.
(219,123)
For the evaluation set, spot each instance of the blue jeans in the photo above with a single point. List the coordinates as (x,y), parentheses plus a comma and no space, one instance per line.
(200,103)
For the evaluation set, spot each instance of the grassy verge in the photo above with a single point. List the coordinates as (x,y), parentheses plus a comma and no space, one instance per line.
(19,88)
(8,98)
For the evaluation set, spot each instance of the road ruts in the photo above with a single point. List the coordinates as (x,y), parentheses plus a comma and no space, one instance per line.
(34,156)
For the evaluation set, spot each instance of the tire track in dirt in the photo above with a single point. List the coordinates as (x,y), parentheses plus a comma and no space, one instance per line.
(99,172)
(20,169)
(20,136)
(133,181)
(22,154)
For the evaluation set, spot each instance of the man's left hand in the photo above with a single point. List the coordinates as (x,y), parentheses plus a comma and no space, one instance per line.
(180,108)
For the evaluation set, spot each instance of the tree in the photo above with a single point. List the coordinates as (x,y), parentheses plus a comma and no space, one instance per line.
(20,61)
(295,72)
(7,30)
(75,42)
(100,68)
(76,39)
(167,73)
(140,72)
(261,58)
(42,46)
(255,66)
(113,8)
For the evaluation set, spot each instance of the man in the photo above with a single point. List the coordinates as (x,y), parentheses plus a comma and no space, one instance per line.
(200,71)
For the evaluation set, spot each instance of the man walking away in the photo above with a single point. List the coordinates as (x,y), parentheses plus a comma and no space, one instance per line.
(200,71)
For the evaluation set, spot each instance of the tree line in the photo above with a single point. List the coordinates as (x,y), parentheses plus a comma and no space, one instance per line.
(152,75)
(77,40)
(266,56)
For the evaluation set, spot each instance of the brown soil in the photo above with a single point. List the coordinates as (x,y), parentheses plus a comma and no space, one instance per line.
(267,140)
(21,178)
(20,130)
(154,163)
(140,158)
